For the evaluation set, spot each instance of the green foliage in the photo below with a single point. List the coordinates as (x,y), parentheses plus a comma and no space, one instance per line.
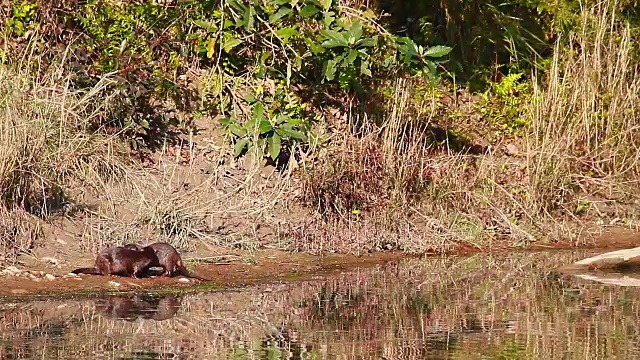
(309,48)
(495,36)
(23,17)
(505,102)
(275,120)
(302,45)
(489,36)
(141,42)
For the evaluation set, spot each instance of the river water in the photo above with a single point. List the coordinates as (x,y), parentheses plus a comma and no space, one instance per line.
(511,306)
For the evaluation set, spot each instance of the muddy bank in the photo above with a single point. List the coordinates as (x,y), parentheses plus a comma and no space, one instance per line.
(264,266)
(245,268)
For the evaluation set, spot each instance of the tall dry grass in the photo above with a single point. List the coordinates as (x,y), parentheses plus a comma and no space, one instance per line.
(581,148)
(48,147)
(586,117)
(391,186)
(55,161)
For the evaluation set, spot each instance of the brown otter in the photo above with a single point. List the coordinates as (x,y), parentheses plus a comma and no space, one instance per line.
(120,260)
(167,257)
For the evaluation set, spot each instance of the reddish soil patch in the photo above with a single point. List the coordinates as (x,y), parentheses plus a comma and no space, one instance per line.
(613,238)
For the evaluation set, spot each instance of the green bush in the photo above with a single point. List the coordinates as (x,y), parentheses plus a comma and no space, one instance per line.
(300,49)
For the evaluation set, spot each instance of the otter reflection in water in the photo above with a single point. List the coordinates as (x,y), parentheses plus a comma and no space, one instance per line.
(137,306)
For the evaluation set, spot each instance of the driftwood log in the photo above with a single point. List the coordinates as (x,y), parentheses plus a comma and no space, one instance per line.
(619,259)
(602,268)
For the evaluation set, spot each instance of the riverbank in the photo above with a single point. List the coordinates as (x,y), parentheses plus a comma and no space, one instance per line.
(101,150)
(235,269)
(229,269)
(484,306)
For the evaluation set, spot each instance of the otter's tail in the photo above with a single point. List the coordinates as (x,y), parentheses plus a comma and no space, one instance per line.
(183,270)
(90,271)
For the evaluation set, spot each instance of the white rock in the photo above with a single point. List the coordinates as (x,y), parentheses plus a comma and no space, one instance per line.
(511,150)
(49,276)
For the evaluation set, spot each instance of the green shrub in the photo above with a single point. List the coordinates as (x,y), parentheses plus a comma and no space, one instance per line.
(303,48)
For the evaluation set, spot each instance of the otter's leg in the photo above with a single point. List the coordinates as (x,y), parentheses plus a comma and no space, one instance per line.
(166,272)
(135,271)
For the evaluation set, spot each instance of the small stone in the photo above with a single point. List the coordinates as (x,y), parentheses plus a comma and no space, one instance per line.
(19,291)
(113,283)
(36,279)
(49,276)
(72,275)
(511,150)
(183,280)
(60,241)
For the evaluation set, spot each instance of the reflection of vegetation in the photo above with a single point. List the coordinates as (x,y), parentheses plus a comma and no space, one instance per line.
(331,304)
(510,350)
(504,308)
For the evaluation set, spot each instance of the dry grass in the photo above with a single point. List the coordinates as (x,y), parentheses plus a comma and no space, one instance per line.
(47,142)
(393,186)
(188,205)
(586,120)
(47,150)
(54,163)
(579,158)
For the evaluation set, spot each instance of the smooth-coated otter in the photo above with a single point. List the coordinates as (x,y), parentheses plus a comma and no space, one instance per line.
(120,260)
(168,258)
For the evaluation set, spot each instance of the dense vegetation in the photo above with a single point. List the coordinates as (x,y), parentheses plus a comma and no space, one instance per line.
(411,102)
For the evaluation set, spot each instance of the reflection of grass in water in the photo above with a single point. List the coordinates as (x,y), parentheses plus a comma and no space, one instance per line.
(462,304)
(510,350)
(508,307)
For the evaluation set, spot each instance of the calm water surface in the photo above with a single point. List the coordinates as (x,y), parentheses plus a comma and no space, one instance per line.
(481,307)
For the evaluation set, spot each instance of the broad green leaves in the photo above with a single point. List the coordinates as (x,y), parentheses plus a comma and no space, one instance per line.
(288,41)
(417,56)
(308,11)
(437,51)
(271,125)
